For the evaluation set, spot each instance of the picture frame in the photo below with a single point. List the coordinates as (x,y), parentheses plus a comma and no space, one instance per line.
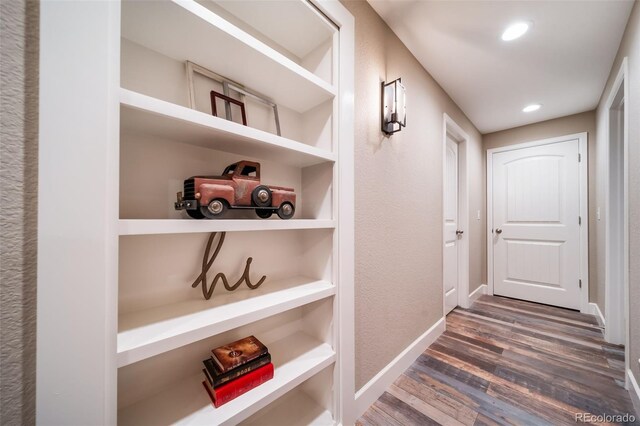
(227,101)
(228,86)
(192,69)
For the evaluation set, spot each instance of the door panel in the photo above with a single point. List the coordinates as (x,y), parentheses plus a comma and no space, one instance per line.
(450,227)
(533,193)
(536,238)
(524,257)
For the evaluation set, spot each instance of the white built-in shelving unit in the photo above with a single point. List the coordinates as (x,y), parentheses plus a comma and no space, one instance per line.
(144,114)
(145,331)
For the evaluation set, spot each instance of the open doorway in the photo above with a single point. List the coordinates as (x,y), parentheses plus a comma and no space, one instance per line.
(617,214)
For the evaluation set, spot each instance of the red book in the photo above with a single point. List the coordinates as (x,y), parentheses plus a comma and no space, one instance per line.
(243,384)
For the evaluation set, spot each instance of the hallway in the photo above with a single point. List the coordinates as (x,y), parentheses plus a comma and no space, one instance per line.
(506,361)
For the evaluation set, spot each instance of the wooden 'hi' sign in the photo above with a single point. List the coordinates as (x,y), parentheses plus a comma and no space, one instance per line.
(207,263)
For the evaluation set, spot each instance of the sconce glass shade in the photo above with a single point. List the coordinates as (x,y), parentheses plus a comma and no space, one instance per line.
(394,107)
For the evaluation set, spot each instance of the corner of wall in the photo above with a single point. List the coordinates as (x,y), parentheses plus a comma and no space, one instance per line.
(594,309)
(634,391)
(482,289)
(375,387)
(19,57)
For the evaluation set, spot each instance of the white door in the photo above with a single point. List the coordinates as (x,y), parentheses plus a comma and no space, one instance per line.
(451,227)
(536,230)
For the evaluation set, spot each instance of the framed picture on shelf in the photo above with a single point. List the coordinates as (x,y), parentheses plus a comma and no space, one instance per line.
(228,102)
(232,93)
(206,80)
(229,86)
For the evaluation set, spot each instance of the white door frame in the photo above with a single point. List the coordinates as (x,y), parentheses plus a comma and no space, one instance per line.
(616,292)
(584,209)
(456,133)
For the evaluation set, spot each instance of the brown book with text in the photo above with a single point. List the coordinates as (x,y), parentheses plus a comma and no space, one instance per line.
(235,354)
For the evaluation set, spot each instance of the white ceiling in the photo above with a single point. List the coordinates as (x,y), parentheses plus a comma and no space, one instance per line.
(562,62)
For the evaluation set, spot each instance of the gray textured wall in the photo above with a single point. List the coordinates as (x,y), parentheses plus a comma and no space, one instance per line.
(398,199)
(18,191)
(631,46)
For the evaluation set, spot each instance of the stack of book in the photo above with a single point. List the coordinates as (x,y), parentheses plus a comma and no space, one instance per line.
(235,369)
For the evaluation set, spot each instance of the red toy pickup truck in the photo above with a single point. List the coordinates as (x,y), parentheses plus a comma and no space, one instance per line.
(239,187)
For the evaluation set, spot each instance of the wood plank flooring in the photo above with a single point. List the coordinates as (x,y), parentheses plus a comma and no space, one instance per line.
(509,362)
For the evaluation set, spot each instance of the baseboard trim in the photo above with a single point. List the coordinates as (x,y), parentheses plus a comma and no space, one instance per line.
(634,391)
(594,309)
(375,387)
(482,289)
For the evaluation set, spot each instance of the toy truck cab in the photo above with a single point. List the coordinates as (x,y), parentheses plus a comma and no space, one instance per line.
(238,187)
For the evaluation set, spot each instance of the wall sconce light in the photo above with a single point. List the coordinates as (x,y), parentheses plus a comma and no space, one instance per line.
(394,108)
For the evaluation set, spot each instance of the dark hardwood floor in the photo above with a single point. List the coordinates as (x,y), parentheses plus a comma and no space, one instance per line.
(506,361)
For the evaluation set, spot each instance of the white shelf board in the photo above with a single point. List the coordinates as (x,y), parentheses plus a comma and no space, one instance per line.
(185,30)
(294,409)
(182,226)
(279,20)
(295,358)
(141,114)
(153,331)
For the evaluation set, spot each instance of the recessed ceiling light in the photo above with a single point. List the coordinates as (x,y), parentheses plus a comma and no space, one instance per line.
(531,108)
(515,31)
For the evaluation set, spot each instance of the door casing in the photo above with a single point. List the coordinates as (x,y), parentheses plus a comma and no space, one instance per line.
(616,251)
(456,133)
(584,209)
(451,225)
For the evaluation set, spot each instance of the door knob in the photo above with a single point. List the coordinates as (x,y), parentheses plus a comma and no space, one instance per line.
(459,232)
(498,231)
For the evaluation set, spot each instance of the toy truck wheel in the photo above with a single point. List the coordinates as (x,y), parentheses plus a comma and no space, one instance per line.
(261,196)
(286,210)
(264,214)
(195,214)
(215,209)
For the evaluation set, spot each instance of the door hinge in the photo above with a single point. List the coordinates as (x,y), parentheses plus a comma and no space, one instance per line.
(579,157)
(579,220)
(580,283)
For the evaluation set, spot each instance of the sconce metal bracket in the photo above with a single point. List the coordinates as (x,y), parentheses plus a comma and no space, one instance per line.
(393,111)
